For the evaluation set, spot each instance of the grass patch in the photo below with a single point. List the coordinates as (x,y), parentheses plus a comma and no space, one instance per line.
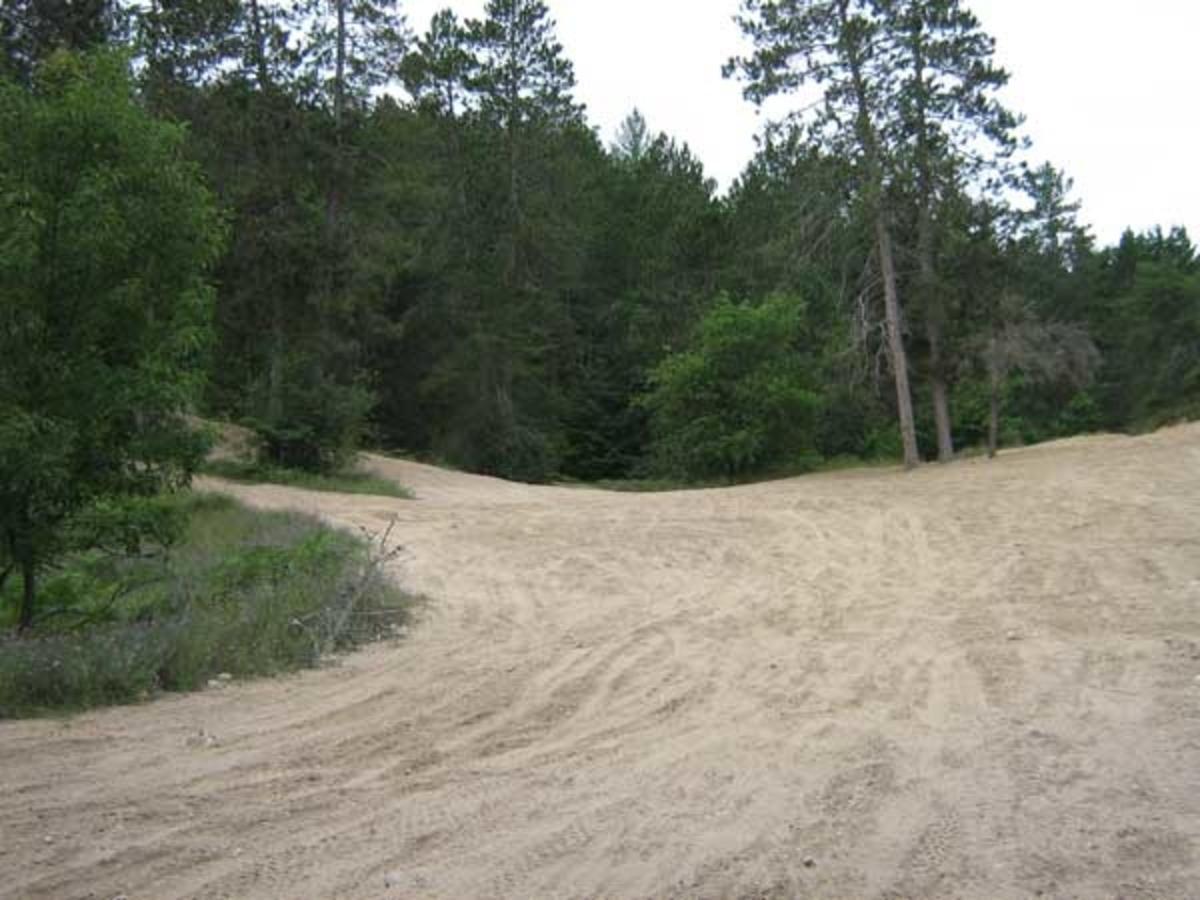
(652,485)
(646,485)
(349,482)
(242,592)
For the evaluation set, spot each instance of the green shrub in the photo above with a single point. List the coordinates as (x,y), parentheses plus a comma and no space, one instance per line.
(740,399)
(310,421)
(346,481)
(241,592)
(108,238)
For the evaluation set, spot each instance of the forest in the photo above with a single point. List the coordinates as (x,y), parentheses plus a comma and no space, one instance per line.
(335,341)
(342,229)
(427,248)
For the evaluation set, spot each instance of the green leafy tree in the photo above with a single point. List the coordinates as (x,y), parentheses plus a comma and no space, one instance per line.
(741,398)
(31,30)
(1045,352)
(524,86)
(499,89)
(656,241)
(793,228)
(951,129)
(106,239)
(353,46)
(845,49)
(1145,315)
(249,78)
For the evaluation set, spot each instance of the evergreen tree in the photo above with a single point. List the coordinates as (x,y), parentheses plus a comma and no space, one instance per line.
(842,46)
(948,117)
(31,30)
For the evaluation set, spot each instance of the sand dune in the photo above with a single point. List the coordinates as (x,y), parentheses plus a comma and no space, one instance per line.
(980,680)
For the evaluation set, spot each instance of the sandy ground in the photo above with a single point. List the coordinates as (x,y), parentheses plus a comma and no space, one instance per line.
(972,681)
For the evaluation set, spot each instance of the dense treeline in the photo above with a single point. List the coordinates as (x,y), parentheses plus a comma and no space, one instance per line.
(431,250)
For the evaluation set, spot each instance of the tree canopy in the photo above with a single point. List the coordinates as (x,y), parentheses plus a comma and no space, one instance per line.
(431,250)
(108,239)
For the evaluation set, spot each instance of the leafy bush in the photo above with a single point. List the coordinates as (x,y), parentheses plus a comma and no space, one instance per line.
(241,592)
(107,240)
(310,421)
(740,399)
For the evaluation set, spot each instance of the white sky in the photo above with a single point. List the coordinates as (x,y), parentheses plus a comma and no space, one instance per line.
(1110,89)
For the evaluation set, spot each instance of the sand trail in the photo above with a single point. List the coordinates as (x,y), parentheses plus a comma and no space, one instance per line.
(970,681)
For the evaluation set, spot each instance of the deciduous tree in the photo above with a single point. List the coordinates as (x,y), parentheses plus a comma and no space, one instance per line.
(107,238)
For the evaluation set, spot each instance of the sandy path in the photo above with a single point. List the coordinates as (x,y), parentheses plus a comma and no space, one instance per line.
(974,681)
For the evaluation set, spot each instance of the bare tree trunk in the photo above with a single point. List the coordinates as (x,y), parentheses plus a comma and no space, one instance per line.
(895,334)
(933,332)
(941,397)
(927,281)
(869,139)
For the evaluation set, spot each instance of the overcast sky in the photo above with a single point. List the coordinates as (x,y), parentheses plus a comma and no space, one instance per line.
(1110,89)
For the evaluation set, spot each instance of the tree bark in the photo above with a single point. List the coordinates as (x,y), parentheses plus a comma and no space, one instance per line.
(895,334)
(933,333)
(927,276)
(868,138)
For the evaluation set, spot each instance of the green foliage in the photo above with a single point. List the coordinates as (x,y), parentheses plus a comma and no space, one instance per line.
(347,481)
(239,592)
(741,397)
(309,421)
(106,239)
(31,30)
(469,273)
(1147,323)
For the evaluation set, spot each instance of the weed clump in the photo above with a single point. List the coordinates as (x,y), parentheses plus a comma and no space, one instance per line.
(242,592)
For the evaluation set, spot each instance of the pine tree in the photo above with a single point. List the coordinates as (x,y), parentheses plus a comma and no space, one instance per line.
(951,129)
(30,30)
(841,47)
